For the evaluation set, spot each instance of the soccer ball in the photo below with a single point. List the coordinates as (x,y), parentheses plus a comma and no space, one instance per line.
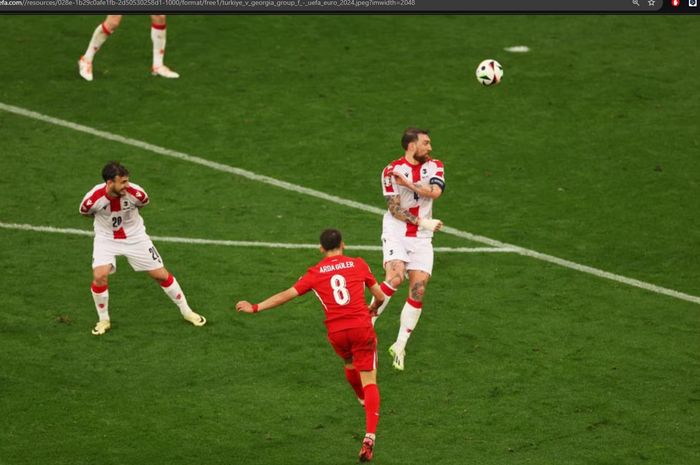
(489,72)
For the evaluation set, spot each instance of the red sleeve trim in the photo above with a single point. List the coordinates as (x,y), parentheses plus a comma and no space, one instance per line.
(140,195)
(91,201)
(387,182)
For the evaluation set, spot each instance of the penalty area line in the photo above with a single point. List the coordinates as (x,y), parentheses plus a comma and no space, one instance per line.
(261,244)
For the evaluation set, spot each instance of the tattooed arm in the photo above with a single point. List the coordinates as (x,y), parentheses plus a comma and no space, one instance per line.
(393,203)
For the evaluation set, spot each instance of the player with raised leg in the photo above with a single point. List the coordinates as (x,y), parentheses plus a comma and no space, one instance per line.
(410,184)
(339,282)
(120,231)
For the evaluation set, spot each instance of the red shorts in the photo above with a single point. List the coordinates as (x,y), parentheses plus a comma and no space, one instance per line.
(358,344)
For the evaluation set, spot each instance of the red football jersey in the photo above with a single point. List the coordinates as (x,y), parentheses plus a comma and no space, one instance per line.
(339,283)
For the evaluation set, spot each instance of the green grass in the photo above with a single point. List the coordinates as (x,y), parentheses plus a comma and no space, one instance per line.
(586,151)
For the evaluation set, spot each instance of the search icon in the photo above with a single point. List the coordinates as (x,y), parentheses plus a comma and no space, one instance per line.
(635,2)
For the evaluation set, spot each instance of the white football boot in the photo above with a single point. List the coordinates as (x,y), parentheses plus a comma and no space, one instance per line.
(85,69)
(397,356)
(196,319)
(164,71)
(101,327)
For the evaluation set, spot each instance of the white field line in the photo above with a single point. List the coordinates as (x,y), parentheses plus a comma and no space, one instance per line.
(270,245)
(517,49)
(341,201)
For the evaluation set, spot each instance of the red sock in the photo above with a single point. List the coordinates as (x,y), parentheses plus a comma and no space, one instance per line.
(372,407)
(353,377)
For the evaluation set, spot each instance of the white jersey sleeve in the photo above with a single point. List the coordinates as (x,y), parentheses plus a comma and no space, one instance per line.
(137,195)
(93,200)
(389,186)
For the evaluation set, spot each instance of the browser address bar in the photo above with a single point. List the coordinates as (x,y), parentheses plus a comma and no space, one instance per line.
(564,6)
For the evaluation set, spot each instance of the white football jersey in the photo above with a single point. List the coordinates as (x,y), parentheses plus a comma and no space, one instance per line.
(116,218)
(430,172)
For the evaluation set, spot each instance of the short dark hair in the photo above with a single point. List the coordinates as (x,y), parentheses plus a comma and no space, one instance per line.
(112,170)
(411,135)
(331,239)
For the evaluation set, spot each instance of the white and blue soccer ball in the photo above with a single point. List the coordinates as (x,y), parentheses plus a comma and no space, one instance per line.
(489,72)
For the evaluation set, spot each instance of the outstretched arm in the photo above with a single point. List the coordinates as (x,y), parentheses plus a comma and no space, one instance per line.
(271,302)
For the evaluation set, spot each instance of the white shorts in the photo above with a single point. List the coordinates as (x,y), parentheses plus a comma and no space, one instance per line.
(142,255)
(416,252)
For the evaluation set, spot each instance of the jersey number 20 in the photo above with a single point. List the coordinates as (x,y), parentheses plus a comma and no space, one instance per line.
(340,291)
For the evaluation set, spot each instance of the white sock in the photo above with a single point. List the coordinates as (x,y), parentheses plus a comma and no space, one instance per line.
(101,304)
(388,292)
(409,319)
(98,38)
(381,308)
(177,296)
(158,38)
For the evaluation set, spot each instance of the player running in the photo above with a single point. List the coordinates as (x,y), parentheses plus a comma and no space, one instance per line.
(119,231)
(339,282)
(410,184)
(107,27)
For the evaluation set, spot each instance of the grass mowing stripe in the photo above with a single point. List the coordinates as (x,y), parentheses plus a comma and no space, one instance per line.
(341,201)
(271,245)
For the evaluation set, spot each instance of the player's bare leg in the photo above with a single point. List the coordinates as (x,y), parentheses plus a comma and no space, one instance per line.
(99,36)
(395,274)
(158,36)
(369,383)
(100,294)
(417,281)
(173,290)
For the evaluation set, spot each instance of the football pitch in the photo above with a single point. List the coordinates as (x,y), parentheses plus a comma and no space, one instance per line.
(562,322)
